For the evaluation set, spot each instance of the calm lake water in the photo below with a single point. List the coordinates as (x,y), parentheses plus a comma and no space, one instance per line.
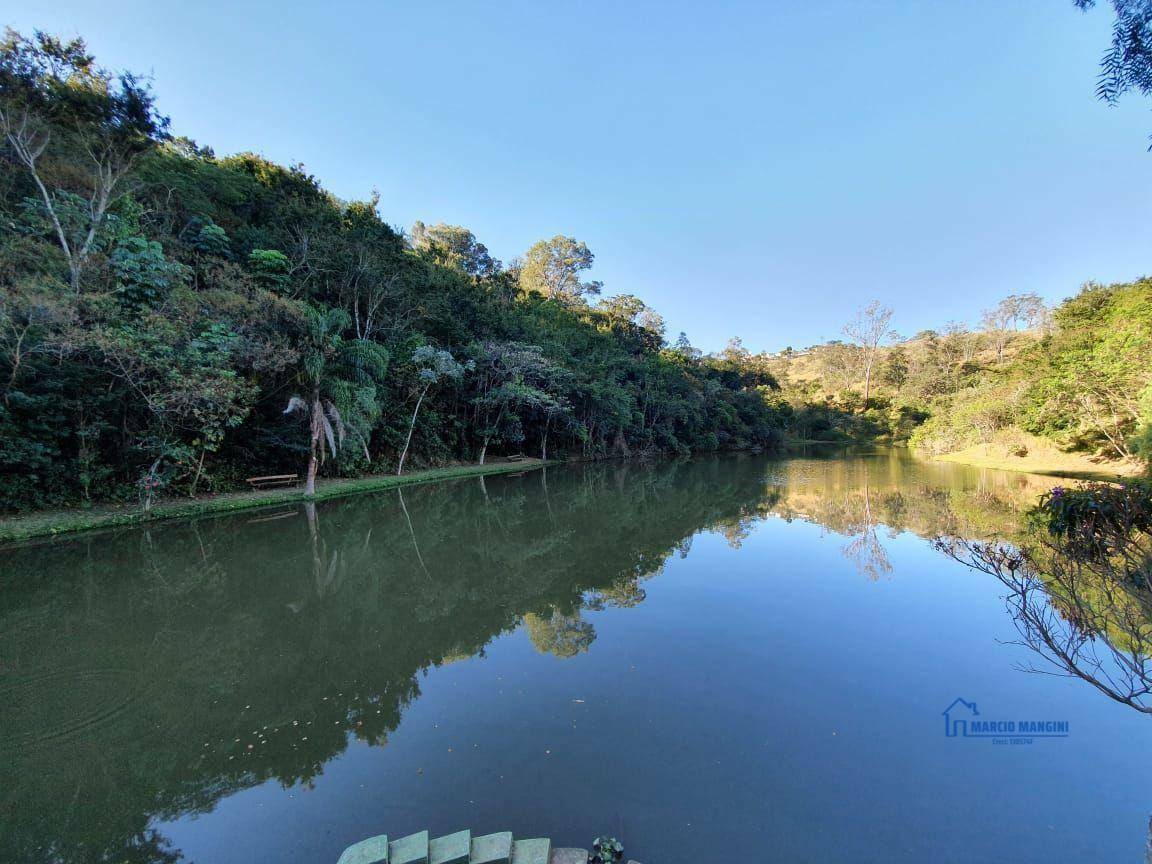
(732,658)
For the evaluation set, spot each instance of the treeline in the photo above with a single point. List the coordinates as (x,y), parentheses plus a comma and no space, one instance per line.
(172,322)
(1077,378)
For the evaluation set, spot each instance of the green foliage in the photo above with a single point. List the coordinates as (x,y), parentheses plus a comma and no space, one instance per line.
(1127,64)
(1091,375)
(456,247)
(271,268)
(607,850)
(143,274)
(553,268)
(1096,521)
(211,239)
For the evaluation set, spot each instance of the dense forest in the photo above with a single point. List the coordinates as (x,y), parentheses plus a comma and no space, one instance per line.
(176,321)
(172,322)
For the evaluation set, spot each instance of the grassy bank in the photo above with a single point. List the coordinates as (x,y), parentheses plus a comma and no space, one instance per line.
(1046,461)
(53,522)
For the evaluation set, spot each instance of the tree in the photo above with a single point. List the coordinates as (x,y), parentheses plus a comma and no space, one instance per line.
(837,363)
(29,316)
(339,378)
(634,320)
(364,263)
(1009,315)
(683,346)
(553,268)
(143,274)
(271,269)
(1089,387)
(432,367)
(455,246)
(509,375)
(1127,64)
(894,370)
(958,343)
(867,330)
(56,104)
(185,384)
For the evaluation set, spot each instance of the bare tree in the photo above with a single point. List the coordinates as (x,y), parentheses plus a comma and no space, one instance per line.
(867,331)
(866,550)
(54,97)
(1013,313)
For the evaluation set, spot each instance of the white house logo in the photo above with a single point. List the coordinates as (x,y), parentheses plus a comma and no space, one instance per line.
(962,719)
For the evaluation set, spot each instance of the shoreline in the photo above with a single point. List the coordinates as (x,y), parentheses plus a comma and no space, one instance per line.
(55,523)
(1066,466)
(42,524)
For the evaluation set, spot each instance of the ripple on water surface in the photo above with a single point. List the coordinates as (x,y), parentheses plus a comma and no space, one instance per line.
(48,706)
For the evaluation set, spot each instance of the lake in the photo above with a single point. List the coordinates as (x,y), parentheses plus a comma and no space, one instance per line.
(735,658)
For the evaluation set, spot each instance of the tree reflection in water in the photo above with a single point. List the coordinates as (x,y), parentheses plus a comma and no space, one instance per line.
(149,674)
(1087,617)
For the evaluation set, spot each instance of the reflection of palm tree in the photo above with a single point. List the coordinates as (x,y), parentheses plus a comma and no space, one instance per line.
(325,566)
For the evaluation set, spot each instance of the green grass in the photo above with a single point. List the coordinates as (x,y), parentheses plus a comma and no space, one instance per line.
(48,523)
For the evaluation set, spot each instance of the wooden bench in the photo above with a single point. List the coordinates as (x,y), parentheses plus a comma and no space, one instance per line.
(515,457)
(273,480)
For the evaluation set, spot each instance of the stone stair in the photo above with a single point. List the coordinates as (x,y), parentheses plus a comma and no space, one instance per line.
(460,848)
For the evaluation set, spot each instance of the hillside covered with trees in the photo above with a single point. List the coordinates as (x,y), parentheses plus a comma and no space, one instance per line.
(175,321)
(1076,379)
(172,322)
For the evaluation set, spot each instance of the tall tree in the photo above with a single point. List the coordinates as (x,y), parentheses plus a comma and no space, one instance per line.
(867,331)
(57,105)
(554,267)
(509,376)
(433,366)
(1010,315)
(455,246)
(339,378)
(634,319)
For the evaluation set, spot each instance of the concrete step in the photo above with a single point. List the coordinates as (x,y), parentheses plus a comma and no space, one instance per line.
(412,849)
(460,848)
(568,856)
(535,851)
(492,849)
(451,849)
(374,850)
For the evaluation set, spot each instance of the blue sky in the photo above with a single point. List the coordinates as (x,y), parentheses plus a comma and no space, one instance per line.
(753,169)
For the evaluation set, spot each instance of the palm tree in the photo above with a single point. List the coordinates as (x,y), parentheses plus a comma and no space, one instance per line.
(338,379)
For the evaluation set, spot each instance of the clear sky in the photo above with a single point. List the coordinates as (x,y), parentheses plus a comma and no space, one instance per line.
(748,168)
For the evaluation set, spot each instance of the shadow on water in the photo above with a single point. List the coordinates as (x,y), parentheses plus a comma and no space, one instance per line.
(149,674)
